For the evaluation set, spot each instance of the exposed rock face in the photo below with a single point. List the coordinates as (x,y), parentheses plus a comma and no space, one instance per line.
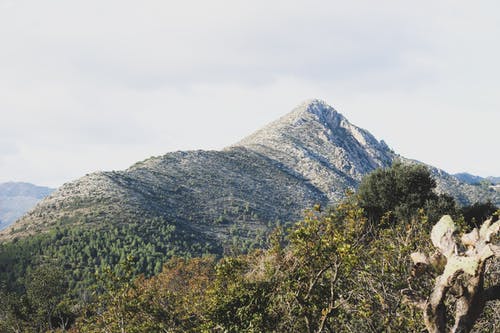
(206,191)
(311,155)
(318,143)
(17,198)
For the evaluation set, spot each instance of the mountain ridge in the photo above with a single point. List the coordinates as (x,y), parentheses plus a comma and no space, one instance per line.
(16,198)
(311,155)
(474,179)
(315,138)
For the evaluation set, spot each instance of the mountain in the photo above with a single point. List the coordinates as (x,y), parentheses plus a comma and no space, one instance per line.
(494,180)
(17,198)
(311,155)
(468,178)
(476,180)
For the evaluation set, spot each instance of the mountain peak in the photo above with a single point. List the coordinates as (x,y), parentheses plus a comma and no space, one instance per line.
(311,155)
(311,110)
(323,112)
(316,106)
(316,139)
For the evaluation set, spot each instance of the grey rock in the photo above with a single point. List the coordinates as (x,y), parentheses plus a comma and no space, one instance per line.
(311,155)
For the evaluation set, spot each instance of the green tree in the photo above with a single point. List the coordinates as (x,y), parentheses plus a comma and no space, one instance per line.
(14,312)
(118,306)
(172,301)
(301,284)
(478,212)
(240,299)
(401,190)
(45,289)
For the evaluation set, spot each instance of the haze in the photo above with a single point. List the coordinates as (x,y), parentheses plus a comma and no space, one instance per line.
(98,85)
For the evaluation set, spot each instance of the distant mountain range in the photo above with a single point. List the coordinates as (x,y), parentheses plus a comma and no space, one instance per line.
(17,198)
(476,180)
(311,155)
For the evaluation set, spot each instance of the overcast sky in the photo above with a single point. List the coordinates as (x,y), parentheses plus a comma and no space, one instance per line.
(98,85)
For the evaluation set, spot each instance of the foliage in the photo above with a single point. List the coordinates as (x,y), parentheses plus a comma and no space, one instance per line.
(478,212)
(43,306)
(72,256)
(401,190)
(318,266)
(85,250)
(172,301)
(45,289)
(336,270)
(120,306)
(238,301)
(332,271)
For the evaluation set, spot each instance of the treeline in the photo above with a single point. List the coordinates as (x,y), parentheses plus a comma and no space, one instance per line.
(84,251)
(340,269)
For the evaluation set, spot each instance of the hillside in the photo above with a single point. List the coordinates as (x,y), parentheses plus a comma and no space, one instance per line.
(311,155)
(17,198)
(464,193)
(476,180)
(494,180)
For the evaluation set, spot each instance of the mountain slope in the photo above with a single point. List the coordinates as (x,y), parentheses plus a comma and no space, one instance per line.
(206,191)
(17,198)
(464,193)
(494,180)
(475,180)
(311,155)
(468,178)
(318,143)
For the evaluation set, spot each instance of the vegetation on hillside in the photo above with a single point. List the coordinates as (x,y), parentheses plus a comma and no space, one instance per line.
(84,251)
(340,269)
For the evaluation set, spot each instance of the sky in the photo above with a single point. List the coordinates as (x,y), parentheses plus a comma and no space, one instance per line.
(99,85)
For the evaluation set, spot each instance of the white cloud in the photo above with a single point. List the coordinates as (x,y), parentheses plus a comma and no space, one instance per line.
(92,85)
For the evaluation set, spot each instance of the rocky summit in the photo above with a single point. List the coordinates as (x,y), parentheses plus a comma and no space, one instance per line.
(320,145)
(311,155)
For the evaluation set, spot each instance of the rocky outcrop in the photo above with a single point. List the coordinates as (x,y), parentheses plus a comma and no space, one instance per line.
(311,155)
(319,144)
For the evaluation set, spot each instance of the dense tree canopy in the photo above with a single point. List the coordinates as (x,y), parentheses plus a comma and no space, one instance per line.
(401,191)
(342,269)
(331,272)
(478,212)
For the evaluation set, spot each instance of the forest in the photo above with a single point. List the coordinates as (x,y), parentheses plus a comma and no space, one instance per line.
(394,256)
